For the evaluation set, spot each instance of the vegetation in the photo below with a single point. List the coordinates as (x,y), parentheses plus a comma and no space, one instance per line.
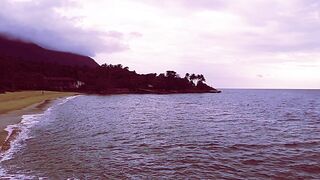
(27,66)
(16,74)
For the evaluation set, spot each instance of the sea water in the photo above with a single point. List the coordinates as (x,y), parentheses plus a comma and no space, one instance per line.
(238,134)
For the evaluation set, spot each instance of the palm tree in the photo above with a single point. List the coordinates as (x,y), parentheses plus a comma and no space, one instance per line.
(187,76)
(192,78)
(201,78)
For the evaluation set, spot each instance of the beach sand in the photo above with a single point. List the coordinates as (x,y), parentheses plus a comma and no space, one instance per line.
(15,104)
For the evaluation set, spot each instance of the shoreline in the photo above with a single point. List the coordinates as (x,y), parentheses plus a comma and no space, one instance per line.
(151,91)
(15,117)
(11,116)
(40,101)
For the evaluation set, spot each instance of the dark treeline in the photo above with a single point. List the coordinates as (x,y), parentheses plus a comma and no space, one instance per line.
(24,75)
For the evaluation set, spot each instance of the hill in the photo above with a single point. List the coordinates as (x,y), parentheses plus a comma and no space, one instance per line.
(27,66)
(25,51)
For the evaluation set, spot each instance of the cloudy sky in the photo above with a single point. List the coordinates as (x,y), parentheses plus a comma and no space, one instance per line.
(234,43)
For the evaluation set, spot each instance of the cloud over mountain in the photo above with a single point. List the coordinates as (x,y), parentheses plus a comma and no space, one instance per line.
(40,22)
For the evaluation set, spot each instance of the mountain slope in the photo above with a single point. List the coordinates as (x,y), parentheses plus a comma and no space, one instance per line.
(25,51)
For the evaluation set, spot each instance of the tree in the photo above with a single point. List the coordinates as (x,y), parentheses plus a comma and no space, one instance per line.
(192,78)
(187,76)
(171,74)
(200,78)
(119,66)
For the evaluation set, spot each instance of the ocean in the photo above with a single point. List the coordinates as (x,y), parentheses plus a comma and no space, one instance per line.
(238,134)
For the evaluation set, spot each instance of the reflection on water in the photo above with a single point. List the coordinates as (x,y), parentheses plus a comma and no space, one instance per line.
(246,134)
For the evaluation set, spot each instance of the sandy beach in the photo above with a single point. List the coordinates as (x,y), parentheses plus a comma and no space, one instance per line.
(15,104)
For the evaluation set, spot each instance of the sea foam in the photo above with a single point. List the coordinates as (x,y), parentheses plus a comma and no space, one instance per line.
(22,131)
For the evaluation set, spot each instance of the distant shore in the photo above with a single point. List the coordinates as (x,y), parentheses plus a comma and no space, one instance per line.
(13,105)
(151,91)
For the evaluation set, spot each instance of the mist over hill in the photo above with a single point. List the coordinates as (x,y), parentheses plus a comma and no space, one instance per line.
(27,51)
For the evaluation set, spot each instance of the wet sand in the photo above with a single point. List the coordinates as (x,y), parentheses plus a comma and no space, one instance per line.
(19,104)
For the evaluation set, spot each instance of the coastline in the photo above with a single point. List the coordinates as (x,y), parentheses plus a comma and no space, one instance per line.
(14,105)
(152,91)
(23,103)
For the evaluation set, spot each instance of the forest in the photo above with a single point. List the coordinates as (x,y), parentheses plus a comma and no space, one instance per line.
(17,75)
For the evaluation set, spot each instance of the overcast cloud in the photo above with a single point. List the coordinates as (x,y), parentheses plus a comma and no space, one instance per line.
(235,43)
(38,21)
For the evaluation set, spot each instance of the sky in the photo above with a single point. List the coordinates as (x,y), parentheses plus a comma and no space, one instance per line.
(234,43)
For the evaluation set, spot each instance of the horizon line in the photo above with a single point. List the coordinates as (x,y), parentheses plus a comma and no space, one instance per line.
(257,88)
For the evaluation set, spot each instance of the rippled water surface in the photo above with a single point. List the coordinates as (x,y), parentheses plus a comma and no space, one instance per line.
(238,134)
